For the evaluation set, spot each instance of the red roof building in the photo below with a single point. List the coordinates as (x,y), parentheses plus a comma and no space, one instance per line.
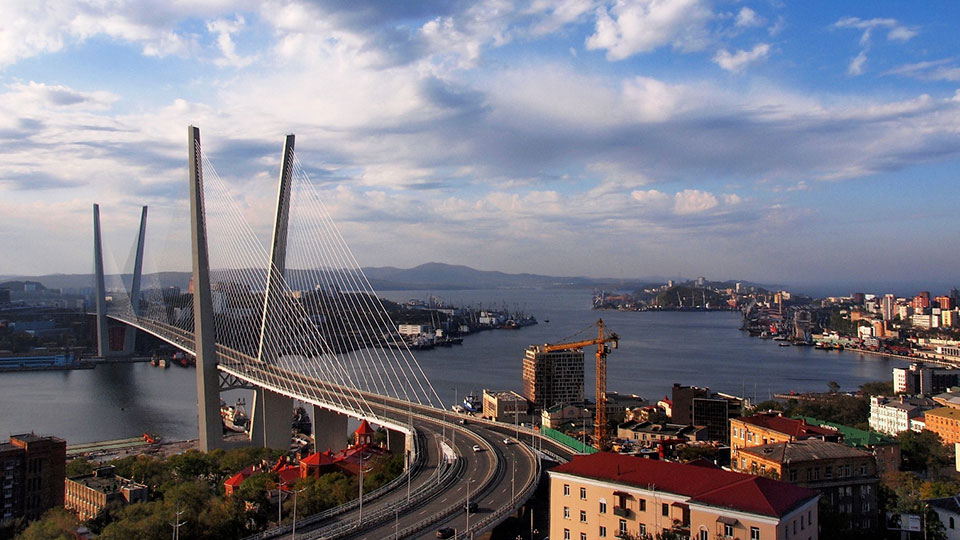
(605,494)
(364,434)
(769,428)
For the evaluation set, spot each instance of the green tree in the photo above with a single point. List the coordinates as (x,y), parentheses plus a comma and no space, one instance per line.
(833,386)
(54,524)
(878,388)
(78,466)
(922,451)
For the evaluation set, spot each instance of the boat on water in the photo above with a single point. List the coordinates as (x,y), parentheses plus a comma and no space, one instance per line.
(472,403)
(235,417)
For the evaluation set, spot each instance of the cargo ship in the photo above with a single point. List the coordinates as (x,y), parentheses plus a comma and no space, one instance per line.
(234,417)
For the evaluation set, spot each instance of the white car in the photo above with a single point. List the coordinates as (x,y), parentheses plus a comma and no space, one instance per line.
(476,448)
(508,441)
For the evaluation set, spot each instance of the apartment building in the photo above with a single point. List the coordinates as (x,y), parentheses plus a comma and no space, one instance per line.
(892,415)
(767,428)
(551,378)
(608,495)
(845,477)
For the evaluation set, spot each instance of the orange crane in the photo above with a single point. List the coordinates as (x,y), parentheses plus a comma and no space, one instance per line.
(600,419)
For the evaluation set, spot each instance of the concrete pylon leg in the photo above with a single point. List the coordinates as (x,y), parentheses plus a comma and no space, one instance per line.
(329,430)
(130,337)
(103,343)
(208,382)
(271,420)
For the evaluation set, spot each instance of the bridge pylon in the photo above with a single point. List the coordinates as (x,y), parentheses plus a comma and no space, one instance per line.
(103,344)
(208,382)
(130,337)
(270,418)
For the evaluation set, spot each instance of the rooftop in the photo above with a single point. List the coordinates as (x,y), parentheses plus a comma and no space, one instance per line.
(944,412)
(852,436)
(713,487)
(946,503)
(788,426)
(803,451)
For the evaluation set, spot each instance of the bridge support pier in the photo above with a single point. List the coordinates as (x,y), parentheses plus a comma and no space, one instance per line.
(271,419)
(329,430)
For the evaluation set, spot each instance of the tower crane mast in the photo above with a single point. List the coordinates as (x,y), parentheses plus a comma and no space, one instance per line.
(603,349)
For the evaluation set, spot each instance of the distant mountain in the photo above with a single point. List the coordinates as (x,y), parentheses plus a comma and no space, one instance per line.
(429,276)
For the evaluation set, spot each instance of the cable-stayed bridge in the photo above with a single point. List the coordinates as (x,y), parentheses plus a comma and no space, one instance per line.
(298,320)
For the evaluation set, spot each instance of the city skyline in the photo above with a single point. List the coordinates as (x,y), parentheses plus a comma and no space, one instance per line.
(731,140)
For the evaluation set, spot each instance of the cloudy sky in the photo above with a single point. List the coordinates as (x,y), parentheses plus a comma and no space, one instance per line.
(759,140)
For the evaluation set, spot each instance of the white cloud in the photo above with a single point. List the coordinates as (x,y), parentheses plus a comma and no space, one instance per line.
(694,201)
(747,18)
(895,32)
(737,61)
(629,28)
(856,65)
(224,29)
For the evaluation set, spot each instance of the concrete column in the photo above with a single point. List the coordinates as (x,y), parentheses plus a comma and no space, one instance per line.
(103,342)
(396,441)
(271,418)
(130,337)
(208,383)
(329,430)
(268,350)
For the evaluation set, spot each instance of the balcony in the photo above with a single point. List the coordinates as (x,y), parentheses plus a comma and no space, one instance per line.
(622,512)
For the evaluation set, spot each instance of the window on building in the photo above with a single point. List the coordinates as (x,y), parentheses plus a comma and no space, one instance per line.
(704,534)
(828,472)
(583,536)
(566,534)
(803,523)
(866,506)
(583,494)
(583,516)
(566,512)
(603,532)
(623,526)
(809,474)
(816,473)
(641,505)
(754,533)
(763,468)
(603,506)
(643,529)
(951,522)
(793,475)
(863,469)
(846,470)
(665,509)
(566,489)
(728,530)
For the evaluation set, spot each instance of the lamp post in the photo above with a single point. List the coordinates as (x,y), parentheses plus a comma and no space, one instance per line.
(360,513)
(293,533)
(280,502)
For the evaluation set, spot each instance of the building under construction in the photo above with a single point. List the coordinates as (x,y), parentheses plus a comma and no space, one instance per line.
(551,378)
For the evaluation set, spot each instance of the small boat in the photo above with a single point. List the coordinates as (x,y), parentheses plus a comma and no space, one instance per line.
(234,417)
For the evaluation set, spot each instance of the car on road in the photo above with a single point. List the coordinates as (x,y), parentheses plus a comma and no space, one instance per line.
(476,448)
(463,421)
(508,441)
(445,532)
(471,507)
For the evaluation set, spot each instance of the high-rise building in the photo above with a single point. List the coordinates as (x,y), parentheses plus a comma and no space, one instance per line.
(945,302)
(32,469)
(551,378)
(888,307)
(921,301)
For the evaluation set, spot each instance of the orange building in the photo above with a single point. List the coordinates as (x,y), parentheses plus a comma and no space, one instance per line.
(767,428)
(945,422)
(609,495)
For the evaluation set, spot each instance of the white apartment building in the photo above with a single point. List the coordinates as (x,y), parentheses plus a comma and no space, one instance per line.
(891,416)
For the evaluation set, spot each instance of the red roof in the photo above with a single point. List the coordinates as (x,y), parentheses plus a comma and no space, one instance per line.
(320,458)
(365,429)
(714,487)
(788,426)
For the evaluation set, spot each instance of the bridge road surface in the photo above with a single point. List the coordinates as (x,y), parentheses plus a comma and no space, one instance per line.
(495,495)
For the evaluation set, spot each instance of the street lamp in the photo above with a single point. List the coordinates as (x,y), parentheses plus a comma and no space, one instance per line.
(293,533)
(360,513)
(280,502)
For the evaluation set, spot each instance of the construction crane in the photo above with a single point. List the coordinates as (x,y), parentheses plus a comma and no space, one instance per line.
(600,419)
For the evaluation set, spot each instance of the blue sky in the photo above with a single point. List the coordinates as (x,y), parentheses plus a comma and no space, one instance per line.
(770,141)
